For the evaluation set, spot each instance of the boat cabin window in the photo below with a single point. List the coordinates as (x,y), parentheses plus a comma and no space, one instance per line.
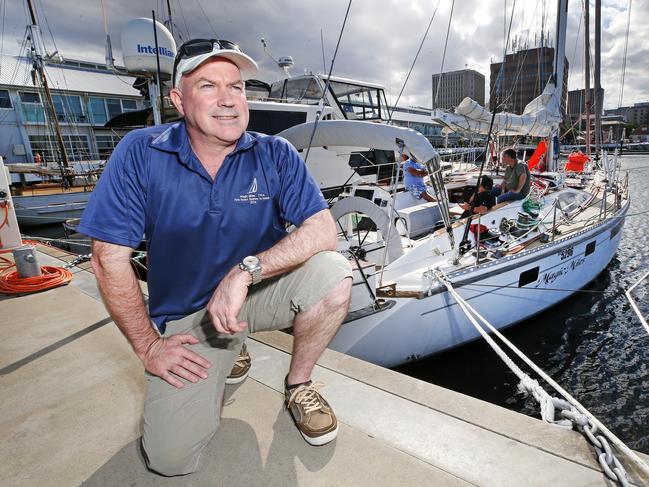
(373,162)
(590,248)
(296,90)
(272,122)
(528,276)
(359,102)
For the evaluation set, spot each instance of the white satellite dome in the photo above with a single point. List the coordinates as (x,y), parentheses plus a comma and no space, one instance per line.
(139,51)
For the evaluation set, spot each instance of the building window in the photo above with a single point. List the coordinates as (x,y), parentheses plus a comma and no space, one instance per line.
(129,105)
(5,101)
(106,144)
(76,147)
(97,111)
(31,107)
(68,108)
(29,97)
(114,107)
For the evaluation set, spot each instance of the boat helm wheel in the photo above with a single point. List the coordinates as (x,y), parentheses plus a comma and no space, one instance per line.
(367,227)
(358,251)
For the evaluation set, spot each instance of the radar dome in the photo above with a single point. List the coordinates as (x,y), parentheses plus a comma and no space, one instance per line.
(139,51)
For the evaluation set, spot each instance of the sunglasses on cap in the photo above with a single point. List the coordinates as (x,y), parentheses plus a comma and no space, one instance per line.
(196,47)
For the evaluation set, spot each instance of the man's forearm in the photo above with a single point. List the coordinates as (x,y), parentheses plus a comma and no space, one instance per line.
(521,183)
(318,233)
(122,295)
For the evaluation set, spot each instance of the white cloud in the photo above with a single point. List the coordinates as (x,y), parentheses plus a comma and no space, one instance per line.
(379,42)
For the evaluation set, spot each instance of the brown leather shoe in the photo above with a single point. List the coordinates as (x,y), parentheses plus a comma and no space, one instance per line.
(311,413)
(240,368)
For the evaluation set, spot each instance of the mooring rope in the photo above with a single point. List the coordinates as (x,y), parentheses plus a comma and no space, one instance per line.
(636,310)
(574,414)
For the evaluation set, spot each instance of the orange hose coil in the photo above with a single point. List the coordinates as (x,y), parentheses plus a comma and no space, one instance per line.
(12,283)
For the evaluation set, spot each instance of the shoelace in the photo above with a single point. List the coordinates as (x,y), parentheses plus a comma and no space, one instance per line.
(307,397)
(242,360)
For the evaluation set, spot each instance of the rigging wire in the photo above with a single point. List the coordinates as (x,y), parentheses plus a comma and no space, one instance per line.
(3,8)
(464,243)
(441,68)
(626,45)
(206,18)
(182,14)
(413,62)
(326,88)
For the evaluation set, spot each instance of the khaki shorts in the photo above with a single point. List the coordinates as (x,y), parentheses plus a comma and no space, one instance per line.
(179,423)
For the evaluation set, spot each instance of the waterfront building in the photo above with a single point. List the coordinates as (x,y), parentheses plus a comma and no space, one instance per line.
(637,114)
(85,94)
(456,85)
(524,77)
(577,103)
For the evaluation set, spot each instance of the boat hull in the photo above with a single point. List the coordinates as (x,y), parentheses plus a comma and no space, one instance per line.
(49,209)
(505,292)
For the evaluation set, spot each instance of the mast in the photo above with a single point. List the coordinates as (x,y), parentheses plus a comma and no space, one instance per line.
(171,23)
(38,64)
(587,103)
(559,64)
(598,86)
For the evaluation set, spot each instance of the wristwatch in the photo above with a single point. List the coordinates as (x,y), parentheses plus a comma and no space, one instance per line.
(252,265)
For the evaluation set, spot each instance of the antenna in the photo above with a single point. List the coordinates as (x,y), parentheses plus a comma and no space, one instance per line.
(284,62)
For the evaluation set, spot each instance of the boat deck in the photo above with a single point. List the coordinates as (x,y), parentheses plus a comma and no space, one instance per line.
(73,392)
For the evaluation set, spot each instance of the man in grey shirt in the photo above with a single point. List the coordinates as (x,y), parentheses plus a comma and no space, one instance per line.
(516,184)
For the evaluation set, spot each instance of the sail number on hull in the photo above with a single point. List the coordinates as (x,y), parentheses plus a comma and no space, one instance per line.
(565,253)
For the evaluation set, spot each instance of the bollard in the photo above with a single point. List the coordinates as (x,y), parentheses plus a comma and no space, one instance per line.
(26,263)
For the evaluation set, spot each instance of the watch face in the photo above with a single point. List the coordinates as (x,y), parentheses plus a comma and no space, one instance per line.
(251,261)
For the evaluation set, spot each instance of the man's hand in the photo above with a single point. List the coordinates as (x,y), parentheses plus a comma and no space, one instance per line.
(465,206)
(167,358)
(227,300)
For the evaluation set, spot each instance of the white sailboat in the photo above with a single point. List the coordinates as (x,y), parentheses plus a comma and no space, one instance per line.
(524,256)
(526,263)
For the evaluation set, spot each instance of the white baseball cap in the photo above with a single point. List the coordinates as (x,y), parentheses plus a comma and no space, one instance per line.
(195,52)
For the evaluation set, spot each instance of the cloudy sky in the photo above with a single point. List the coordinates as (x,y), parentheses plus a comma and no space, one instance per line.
(379,43)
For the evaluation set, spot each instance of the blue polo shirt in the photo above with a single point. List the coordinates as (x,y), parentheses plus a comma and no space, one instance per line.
(196,228)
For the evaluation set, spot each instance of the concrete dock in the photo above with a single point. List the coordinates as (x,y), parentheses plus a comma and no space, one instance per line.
(72,394)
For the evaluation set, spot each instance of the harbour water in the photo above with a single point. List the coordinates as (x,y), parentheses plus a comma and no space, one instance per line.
(592,344)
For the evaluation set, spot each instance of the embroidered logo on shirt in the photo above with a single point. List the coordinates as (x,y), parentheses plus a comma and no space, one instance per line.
(253,195)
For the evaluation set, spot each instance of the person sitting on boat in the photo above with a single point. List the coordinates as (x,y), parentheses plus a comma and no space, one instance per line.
(483,201)
(211,200)
(516,182)
(413,178)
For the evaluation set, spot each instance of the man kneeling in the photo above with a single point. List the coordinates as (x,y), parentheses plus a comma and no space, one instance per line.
(212,201)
